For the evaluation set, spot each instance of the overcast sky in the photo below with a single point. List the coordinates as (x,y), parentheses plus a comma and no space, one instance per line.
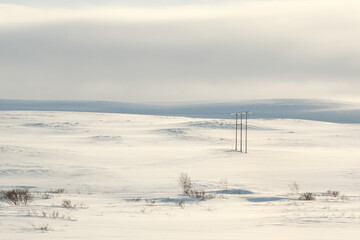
(181,50)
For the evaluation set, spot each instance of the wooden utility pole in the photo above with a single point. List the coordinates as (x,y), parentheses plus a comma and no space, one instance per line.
(246,130)
(236,129)
(241,130)
(236,132)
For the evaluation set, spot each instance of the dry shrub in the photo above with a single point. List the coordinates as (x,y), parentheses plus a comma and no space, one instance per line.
(152,202)
(32,212)
(224,184)
(344,198)
(307,197)
(47,196)
(333,193)
(17,196)
(58,191)
(200,194)
(294,188)
(54,214)
(43,228)
(197,193)
(67,203)
(181,204)
(185,183)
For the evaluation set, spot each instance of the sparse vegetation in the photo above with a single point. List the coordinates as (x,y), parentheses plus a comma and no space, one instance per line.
(59,191)
(187,186)
(185,183)
(152,202)
(67,204)
(52,214)
(46,196)
(16,196)
(307,197)
(294,188)
(344,198)
(197,193)
(333,193)
(32,212)
(224,184)
(43,228)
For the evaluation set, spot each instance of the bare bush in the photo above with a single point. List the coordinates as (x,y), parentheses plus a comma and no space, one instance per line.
(54,214)
(333,193)
(224,184)
(17,196)
(307,197)
(47,196)
(181,204)
(344,198)
(82,205)
(152,202)
(187,186)
(294,187)
(200,194)
(32,212)
(67,203)
(58,191)
(185,183)
(51,214)
(197,193)
(43,228)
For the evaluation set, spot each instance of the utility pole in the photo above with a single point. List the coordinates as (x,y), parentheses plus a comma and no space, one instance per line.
(246,130)
(236,132)
(241,130)
(236,128)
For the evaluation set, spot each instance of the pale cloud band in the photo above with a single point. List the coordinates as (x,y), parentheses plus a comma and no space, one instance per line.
(217,52)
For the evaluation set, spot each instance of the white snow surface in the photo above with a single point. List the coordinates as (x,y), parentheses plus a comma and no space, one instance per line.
(122,172)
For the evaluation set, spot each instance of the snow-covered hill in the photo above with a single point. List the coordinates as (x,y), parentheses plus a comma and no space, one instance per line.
(122,170)
(319,110)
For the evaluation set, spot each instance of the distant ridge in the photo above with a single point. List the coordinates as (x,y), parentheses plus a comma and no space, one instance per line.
(319,110)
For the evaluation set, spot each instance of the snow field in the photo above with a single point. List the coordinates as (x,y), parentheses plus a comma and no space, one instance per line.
(122,172)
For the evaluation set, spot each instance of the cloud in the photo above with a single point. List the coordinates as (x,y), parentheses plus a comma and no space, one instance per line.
(213,52)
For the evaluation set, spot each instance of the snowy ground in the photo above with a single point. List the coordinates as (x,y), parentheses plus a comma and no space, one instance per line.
(122,173)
